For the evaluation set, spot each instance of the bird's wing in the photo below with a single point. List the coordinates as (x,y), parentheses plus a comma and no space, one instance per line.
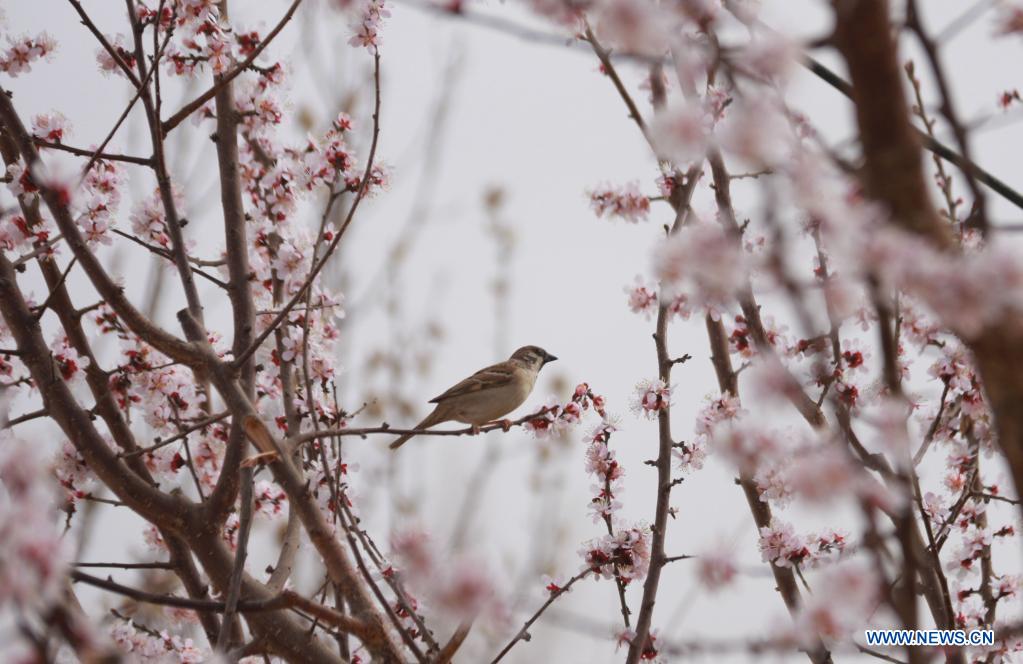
(497,375)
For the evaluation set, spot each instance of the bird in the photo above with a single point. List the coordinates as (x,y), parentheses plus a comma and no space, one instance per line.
(488,394)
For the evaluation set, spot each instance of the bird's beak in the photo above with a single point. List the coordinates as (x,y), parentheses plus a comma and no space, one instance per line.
(548,358)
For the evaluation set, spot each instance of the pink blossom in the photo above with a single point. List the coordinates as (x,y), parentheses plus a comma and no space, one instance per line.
(412,548)
(1008,586)
(650,397)
(1011,19)
(690,456)
(955,368)
(23,51)
(701,12)
(679,307)
(642,299)
(467,593)
(970,513)
(716,101)
(601,433)
(107,63)
(626,552)
(33,556)
(748,446)
(974,543)
(681,133)
(51,127)
(366,23)
(704,262)
(73,475)
(954,286)
(773,484)
(821,616)
(566,14)
(603,506)
(625,201)
(15,232)
(69,363)
(20,181)
(218,51)
(105,180)
(600,461)
(771,56)
(145,645)
(758,131)
(1008,97)
(557,418)
(148,222)
(716,569)
(780,545)
(57,177)
(548,423)
(934,507)
(554,584)
(828,546)
(823,475)
(724,408)
(95,221)
(462,588)
(269,499)
(634,26)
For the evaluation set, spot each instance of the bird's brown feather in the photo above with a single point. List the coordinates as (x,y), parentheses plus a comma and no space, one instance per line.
(494,375)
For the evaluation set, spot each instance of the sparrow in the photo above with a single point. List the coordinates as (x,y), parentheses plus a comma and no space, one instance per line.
(489,393)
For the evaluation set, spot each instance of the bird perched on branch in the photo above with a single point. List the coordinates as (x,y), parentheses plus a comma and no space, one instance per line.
(488,394)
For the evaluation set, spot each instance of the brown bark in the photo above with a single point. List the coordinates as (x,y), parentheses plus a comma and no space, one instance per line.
(893,174)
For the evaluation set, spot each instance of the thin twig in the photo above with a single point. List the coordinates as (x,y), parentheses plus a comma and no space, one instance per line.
(235,585)
(213,419)
(41,309)
(106,156)
(125,565)
(35,414)
(309,436)
(523,634)
(270,604)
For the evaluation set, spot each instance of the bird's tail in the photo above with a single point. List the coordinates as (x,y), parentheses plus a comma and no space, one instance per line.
(433,418)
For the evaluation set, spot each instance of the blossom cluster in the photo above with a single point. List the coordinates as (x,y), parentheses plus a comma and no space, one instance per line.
(953,286)
(119,54)
(554,418)
(716,569)
(625,202)
(857,585)
(703,262)
(23,51)
(781,546)
(602,464)
(149,645)
(34,557)
(462,589)
(643,299)
(368,15)
(624,554)
(650,397)
(649,652)
(92,199)
(73,475)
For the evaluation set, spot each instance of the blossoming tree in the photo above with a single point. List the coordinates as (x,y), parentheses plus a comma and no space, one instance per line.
(863,325)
